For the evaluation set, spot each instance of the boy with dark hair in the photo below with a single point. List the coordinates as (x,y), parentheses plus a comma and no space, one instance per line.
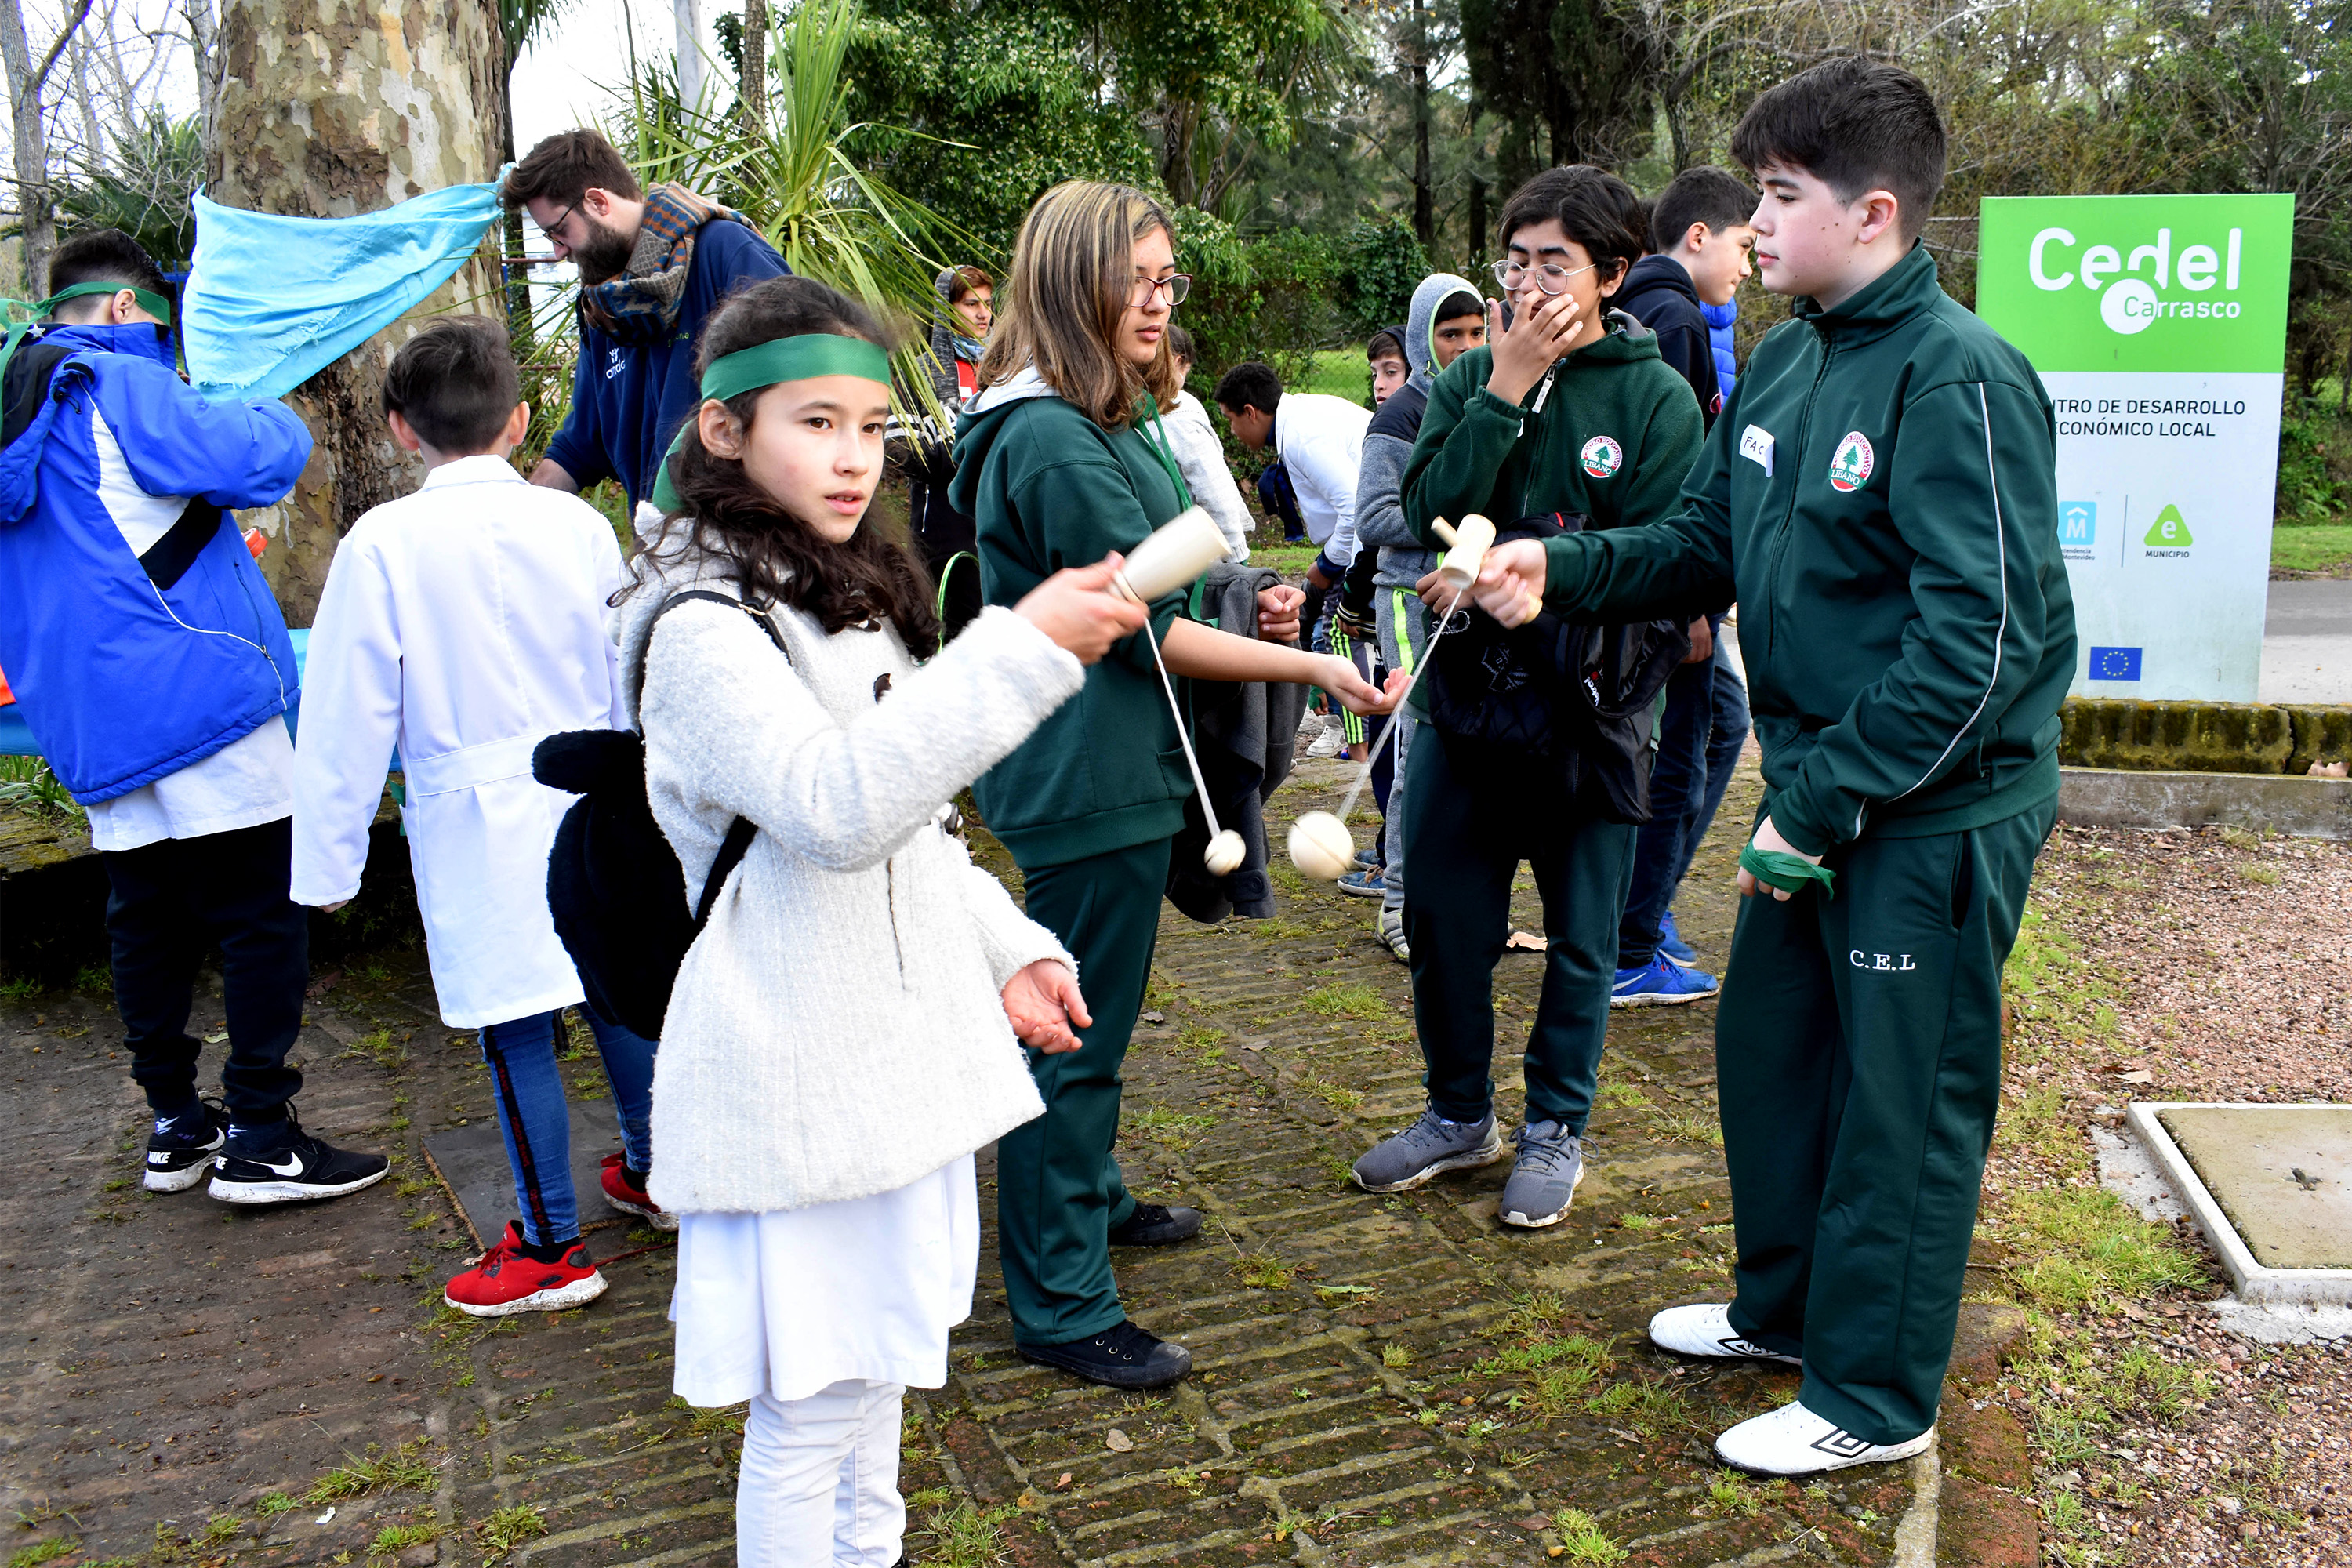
(115,533)
(1700,245)
(1447,315)
(1881,489)
(1568,419)
(1699,237)
(464,625)
(1386,356)
(653,266)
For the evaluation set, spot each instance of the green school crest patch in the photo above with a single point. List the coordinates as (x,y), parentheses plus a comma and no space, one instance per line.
(1602,457)
(1850,466)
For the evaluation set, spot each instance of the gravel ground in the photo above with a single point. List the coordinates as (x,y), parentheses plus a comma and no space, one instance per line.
(2207,966)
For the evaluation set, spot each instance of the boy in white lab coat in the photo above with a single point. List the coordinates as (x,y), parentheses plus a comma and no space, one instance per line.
(466,624)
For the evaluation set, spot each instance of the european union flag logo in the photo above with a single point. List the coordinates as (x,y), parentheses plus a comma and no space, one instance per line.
(2114,664)
(2078,523)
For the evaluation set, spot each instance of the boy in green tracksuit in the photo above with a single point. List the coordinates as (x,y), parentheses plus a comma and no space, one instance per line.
(1570,411)
(1881,489)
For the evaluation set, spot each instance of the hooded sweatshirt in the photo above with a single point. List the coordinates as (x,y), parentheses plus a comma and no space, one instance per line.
(1882,489)
(1388,443)
(1659,294)
(1612,443)
(134,625)
(1048,488)
(949,347)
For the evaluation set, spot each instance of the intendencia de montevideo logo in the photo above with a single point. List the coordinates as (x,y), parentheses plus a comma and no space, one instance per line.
(2154,284)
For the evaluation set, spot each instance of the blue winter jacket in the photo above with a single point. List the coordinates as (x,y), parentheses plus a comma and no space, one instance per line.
(1719,319)
(133,660)
(627,401)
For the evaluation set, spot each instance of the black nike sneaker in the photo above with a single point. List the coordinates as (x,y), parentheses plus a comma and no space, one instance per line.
(299,1168)
(180,1150)
(1122,1356)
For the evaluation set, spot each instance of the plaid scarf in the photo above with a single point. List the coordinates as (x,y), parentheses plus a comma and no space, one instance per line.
(640,307)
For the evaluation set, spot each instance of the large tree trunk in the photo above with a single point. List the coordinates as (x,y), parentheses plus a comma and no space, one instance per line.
(1424,199)
(755,67)
(327,108)
(35,202)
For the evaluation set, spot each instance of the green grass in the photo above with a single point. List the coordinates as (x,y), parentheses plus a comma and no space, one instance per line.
(1347,1001)
(1175,1129)
(1290,559)
(1340,373)
(41,1551)
(1583,1541)
(511,1527)
(2296,548)
(967,1537)
(2089,1249)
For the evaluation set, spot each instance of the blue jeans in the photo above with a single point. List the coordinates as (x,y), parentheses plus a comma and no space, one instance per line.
(526,1082)
(1699,738)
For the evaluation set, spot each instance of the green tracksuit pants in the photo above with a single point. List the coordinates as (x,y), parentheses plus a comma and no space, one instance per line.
(1059,1192)
(1472,812)
(1858,1058)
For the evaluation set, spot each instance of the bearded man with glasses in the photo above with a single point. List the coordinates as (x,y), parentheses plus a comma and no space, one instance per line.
(653,266)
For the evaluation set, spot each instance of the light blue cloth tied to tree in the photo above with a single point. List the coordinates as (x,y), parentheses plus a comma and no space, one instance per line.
(270,301)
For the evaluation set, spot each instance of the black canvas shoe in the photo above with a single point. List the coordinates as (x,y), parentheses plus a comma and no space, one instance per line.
(180,1150)
(300,1168)
(1121,1356)
(1157,1225)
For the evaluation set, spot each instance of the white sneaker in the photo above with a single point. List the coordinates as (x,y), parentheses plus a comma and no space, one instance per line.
(1793,1441)
(1331,742)
(1707,1330)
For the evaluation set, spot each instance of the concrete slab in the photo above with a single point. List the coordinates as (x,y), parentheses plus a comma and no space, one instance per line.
(2121,798)
(2271,1186)
(471,1162)
(2283,1175)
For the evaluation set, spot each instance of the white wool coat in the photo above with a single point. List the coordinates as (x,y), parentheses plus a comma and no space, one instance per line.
(836,1030)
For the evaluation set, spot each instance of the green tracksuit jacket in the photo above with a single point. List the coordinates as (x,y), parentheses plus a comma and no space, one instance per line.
(1048,489)
(1881,490)
(1612,443)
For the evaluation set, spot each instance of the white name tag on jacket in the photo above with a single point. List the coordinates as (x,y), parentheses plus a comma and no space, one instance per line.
(1755,445)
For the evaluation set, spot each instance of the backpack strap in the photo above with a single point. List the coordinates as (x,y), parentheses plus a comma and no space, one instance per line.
(742,830)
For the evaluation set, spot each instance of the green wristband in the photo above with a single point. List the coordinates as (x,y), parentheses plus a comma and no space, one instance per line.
(1789,873)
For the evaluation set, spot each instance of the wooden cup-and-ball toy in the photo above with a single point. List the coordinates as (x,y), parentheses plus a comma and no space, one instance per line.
(1466,550)
(1178,552)
(1321,847)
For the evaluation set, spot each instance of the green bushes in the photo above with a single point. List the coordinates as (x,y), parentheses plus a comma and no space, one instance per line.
(1280,297)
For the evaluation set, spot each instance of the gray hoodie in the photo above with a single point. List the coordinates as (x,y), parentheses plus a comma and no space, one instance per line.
(1380,484)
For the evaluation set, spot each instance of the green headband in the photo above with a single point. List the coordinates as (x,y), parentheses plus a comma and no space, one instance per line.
(766,365)
(794,359)
(154,305)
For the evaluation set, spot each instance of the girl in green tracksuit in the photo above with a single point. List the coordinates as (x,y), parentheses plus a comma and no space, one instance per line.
(1060,460)
(1569,411)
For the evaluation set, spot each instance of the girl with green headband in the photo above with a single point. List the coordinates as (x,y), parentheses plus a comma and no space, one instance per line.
(847,1028)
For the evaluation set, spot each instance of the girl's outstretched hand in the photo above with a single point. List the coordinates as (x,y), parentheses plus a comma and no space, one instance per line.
(1043,1003)
(1077,609)
(1510,585)
(1340,678)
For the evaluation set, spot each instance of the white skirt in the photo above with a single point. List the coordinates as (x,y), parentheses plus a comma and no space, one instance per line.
(786,1304)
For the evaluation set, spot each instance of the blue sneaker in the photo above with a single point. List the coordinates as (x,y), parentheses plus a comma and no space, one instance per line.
(1661,983)
(1671,943)
(1368,856)
(1371,882)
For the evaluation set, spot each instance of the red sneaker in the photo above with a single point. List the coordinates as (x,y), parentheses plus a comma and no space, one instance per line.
(629,1197)
(506,1280)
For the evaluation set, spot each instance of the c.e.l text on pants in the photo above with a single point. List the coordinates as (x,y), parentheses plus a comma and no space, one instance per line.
(1059,1192)
(1858,1058)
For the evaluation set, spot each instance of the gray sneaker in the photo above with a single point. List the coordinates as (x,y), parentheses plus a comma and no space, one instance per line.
(1391,930)
(1401,1163)
(1549,1165)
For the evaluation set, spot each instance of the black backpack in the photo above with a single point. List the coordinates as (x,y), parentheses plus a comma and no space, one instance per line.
(1579,695)
(613,883)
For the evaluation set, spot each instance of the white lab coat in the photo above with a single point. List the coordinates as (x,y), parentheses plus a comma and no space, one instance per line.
(465,623)
(1320,439)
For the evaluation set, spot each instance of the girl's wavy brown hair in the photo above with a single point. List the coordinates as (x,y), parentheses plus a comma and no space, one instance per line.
(861,582)
(1072,274)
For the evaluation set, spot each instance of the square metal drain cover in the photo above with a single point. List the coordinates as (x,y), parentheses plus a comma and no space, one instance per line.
(2270,1186)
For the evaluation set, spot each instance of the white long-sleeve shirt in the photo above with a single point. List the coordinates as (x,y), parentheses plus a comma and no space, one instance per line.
(1200,458)
(465,624)
(1321,440)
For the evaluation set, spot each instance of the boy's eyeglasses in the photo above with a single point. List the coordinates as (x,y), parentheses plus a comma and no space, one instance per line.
(1177,286)
(1551,277)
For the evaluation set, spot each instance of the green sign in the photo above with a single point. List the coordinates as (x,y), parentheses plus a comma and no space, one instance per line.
(2139,283)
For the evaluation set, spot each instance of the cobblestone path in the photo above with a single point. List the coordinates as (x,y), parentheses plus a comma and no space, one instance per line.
(1381,1380)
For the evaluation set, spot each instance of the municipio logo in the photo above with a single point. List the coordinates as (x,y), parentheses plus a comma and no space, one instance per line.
(1849,466)
(1602,457)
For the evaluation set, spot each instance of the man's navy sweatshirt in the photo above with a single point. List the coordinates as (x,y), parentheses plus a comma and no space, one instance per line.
(1658,294)
(629,400)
